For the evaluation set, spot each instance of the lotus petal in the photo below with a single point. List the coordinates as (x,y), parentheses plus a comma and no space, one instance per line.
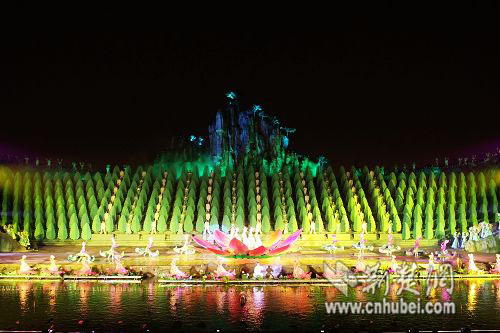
(221,238)
(217,251)
(237,247)
(273,238)
(258,251)
(203,243)
(279,249)
(290,239)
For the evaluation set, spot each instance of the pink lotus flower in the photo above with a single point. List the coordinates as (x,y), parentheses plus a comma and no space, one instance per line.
(226,246)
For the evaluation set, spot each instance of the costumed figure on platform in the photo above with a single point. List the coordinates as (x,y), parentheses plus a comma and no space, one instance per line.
(496,269)
(86,269)
(259,272)
(186,248)
(233,231)
(176,272)
(312,227)
(221,272)
(471,267)
(147,250)
(360,264)
(332,248)
(361,245)
(81,255)
(487,230)
(456,243)
(415,251)
(24,268)
(276,270)
(431,266)
(364,227)
(473,234)
(389,247)
(299,273)
(206,230)
(119,268)
(53,268)
(464,239)
(444,254)
(111,255)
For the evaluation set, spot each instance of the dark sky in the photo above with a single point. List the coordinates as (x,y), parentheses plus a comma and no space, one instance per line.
(366,97)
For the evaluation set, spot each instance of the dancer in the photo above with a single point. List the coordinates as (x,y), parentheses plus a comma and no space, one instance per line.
(333,247)
(415,251)
(299,273)
(360,264)
(24,268)
(85,270)
(444,251)
(82,254)
(456,243)
(113,242)
(103,227)
(111,255)
(120,269)
(186,248)
(472,268)
(464,239)
(259,272)
(233,231)
(244,237)
(312,227)
(276,270)
(496,268)
(361,245)
(147,249)
(482,228)
(206,230)
(176,272)
(431,264)
(221,272)
(389,247)
(364,227)
(153,227)
(53,268)
(474,234)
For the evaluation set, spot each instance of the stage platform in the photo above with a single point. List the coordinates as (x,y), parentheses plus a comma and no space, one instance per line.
(171,240)
(107,278)
(358,278)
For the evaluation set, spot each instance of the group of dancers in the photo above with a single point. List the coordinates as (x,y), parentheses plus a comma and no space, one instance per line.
(475,233)
(85,259)
(251,237)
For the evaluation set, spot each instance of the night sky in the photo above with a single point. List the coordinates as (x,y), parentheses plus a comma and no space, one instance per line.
(355,97)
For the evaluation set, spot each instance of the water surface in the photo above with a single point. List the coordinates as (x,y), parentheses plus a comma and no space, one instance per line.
(127,307)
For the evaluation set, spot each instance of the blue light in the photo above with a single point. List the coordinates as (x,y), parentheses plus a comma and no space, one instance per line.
(231,95)
(192,138)
(256,108)
(285,141)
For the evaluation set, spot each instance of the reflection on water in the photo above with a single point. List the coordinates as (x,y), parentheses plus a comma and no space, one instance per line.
(104,305)
(472,296)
